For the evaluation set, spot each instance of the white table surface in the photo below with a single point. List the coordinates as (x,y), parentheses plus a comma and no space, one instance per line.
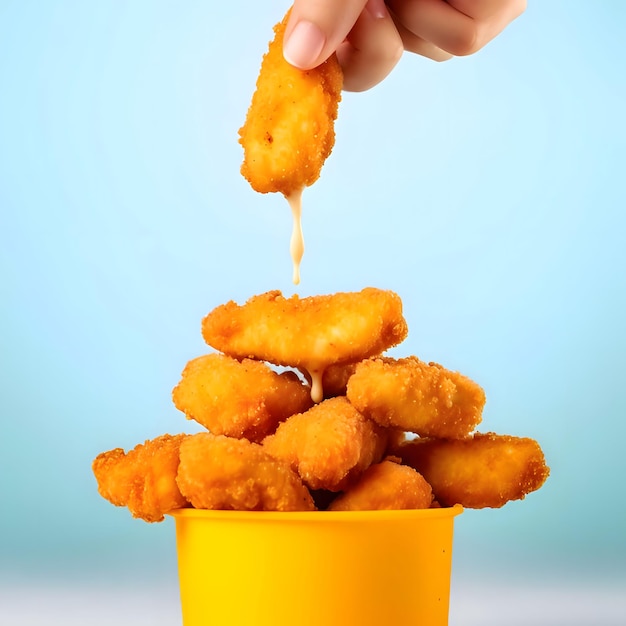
(476,604)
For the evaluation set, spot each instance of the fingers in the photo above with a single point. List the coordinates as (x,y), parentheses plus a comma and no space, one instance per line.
(438,22)
(417,45)
(369,39)
(316,28)
(459,27)
(484,10)
(372,49)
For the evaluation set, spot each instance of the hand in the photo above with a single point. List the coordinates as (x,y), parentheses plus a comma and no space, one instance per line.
(369,36)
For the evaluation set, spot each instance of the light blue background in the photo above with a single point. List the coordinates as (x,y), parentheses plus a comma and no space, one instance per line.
(487,191)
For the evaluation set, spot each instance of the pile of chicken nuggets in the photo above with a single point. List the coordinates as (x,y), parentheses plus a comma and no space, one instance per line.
(303,411)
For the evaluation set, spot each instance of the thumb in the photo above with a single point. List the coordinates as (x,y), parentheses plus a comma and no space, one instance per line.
(316,28)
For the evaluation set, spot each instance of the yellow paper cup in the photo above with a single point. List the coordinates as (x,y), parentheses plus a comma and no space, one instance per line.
(318,568)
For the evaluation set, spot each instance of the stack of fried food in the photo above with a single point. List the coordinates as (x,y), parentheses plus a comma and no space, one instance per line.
(304,412)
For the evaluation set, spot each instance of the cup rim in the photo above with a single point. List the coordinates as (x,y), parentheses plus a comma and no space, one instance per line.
(318,516)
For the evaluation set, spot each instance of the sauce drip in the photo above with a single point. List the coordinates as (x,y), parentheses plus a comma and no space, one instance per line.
(296,246)
(317,392)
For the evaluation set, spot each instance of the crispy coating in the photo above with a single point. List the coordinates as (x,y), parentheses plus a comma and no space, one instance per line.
(421,398)
(335,379)
(386,485)
(308,333)
(289,128)
(144,479)
(329,445)
(486,470)
(238,398)
(219,472)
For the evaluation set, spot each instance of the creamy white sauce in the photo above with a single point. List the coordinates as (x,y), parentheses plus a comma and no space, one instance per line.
(296,246)
(317,391)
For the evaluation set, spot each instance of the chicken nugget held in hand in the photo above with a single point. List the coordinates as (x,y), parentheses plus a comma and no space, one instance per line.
(289,128)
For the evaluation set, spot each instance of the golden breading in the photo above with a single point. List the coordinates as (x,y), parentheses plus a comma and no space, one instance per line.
(144,480)
(421,398)
(387,485)
(487,470)
(289,128)
(329,445)
(308,333)
(335,379)
(239,398)
(218,472)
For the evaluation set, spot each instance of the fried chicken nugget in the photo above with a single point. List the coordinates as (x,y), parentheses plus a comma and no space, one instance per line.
(329,445)
(238,398)
(144,480)
(219,472)
(308,333)
(487,470)
(289,128)
(386,485)
(421,398)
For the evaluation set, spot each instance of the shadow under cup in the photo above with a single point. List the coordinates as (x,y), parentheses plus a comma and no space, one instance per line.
(315,568)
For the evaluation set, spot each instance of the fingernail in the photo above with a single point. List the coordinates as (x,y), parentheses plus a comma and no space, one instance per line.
(304,44)
(377,9)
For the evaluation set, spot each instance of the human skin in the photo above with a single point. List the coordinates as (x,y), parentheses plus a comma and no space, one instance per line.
(370,36)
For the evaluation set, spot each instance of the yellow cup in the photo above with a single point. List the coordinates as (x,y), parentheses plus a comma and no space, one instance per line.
(323,568)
